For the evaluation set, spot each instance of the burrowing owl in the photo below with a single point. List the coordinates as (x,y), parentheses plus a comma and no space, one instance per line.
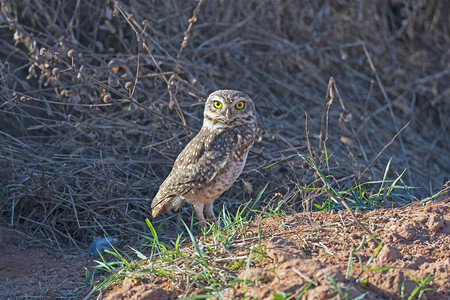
(213,160)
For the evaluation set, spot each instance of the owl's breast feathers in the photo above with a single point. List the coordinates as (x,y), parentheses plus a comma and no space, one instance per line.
(201,160)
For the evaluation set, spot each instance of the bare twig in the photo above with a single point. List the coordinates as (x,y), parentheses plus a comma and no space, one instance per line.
(382,150)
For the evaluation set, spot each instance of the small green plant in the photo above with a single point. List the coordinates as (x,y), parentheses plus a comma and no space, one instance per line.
(349,271)
(344,294)
(305,289)
(337,289)
(364,267)
(281,295)
(89,278)
(420,288)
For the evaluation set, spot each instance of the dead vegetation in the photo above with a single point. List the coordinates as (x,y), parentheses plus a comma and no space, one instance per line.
(98,98)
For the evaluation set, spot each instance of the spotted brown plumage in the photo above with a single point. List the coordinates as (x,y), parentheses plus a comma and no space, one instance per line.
(213,160)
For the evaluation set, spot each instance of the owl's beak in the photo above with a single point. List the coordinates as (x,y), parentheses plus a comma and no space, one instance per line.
(228,114)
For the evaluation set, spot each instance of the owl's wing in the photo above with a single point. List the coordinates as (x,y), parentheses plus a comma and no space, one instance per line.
(197,165)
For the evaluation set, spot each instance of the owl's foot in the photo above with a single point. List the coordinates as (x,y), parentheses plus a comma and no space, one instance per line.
(210,212)
(208,209)
(198,208)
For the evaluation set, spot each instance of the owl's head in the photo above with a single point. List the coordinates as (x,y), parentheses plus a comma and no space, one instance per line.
(229,107)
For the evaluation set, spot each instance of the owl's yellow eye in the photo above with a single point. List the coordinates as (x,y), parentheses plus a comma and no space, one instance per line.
(240,105)
(217,104)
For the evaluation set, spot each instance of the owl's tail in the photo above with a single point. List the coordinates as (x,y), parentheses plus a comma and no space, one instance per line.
(163,205)
(157,209)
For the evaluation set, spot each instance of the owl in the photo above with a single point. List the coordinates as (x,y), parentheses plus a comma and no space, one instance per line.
(213,160)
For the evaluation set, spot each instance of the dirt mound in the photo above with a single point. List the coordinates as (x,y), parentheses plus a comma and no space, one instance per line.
(309,253)
(292,277)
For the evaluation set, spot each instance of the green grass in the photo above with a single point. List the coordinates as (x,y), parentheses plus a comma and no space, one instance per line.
(364,266)
(419,289)
(366,195)
(211,265)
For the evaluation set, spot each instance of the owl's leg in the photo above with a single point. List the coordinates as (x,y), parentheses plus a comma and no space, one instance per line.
(210,211)
(198,207)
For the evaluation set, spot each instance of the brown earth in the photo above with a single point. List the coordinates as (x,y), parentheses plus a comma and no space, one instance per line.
(415,238)
(29,269)
(316,246)
(300,247)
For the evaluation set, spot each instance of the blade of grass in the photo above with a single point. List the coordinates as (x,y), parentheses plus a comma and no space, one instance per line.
(384,176)
(196,246)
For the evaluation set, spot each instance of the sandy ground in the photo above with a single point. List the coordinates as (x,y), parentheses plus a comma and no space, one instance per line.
(27,269)
(299,248)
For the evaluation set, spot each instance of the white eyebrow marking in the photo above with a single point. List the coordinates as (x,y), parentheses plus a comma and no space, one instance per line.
(239,98)
(215,97)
